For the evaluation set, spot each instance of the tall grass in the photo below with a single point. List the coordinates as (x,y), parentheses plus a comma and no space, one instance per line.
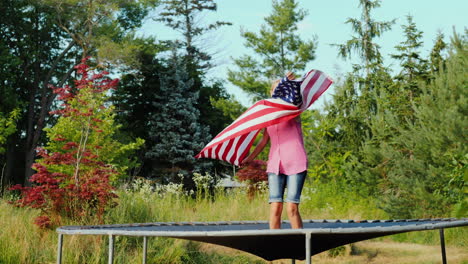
(22,242)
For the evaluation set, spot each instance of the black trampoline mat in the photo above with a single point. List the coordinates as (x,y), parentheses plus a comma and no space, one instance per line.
(255,236)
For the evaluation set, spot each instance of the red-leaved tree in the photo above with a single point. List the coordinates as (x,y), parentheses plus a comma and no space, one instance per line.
(72,177)
(253,173)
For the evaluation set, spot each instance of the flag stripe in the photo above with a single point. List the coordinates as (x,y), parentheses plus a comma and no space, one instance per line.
(234,142)
(228,148)
(256,113)
(260,108)
(261,121)
(232,150)
(314,88)
(223,148)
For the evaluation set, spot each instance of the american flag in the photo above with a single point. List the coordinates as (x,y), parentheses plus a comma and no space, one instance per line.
(234,142)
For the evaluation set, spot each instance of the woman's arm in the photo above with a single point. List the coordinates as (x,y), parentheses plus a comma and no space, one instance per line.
(260,146)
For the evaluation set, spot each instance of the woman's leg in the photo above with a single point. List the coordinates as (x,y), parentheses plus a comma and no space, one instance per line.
(295,184)
(276,209)
(276,184)
(294,215)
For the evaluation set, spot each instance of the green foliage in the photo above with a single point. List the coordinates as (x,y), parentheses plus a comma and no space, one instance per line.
(103,28)
(134,104)
(414,67)
(366,30)
(40,42)
(396,139)
(217,108)
(7,126)
(142,202)
(277,47)
(176,134)
(229,107)
(95,131)
(435,158)
(419,161)
(437,61)
(182,16)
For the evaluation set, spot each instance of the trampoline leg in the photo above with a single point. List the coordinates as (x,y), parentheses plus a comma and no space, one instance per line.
(442,245)
(59,249)
(293,261)
(111,249)
(145,248)
(308,253)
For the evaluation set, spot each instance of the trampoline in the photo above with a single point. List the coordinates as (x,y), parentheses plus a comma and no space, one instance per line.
(256,238)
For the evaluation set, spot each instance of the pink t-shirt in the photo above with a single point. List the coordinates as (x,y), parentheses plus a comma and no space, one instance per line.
(287,153)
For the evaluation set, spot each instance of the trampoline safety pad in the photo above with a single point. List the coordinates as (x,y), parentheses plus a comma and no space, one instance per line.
(256,238)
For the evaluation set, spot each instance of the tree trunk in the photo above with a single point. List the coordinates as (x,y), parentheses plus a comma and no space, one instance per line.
(12,173)
(47,97)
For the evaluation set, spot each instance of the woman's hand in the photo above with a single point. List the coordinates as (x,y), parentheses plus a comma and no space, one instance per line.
(247,160)
(258,148)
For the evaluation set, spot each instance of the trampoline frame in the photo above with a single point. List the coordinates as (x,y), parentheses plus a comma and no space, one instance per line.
(307,232)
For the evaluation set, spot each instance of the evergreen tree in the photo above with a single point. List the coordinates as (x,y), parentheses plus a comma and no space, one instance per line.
(423,163)
(414,67)
(278,48)
(176,132)
(134,103)
(363,43)
(181,15)
(364,89)
(437,61)
(358,98)
(140,90)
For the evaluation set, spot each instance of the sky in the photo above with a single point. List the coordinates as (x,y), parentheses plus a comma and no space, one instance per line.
(326,21)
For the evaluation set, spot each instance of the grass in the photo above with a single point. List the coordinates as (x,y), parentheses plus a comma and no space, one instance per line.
(22,242)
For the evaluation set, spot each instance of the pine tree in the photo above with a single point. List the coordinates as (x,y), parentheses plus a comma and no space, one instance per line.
(358,99)
(176,132)
(181,15)
(355,111)
(363,43)
(437,61)
(277,47)
(134,104)
(365,89)
(423,162)
(414,67)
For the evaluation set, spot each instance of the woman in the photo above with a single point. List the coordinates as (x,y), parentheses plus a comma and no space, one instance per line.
(287,166)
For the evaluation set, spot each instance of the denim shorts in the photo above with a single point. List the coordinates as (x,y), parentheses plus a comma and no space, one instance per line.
(278,183)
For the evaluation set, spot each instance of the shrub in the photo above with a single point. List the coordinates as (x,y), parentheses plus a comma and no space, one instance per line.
(254,173)
(75,169)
